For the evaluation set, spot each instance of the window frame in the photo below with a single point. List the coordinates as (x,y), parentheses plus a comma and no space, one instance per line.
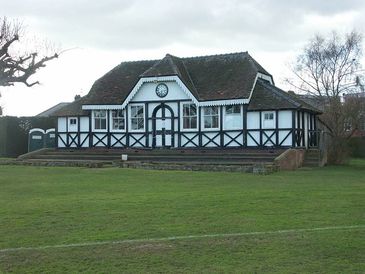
(72,127)
(130,118)
(71,121)
(183,116)
(210,115)
(100,118)
(111,120)
(269,118)
(233,114)
(273,120)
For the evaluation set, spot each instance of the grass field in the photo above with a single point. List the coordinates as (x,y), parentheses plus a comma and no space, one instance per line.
(42,206)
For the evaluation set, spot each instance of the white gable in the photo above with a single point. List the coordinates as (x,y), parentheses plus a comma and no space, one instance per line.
(147,92)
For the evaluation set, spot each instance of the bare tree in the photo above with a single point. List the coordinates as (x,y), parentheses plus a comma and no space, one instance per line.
(329,68)
(16,67)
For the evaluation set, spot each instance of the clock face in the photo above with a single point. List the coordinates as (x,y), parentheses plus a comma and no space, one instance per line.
(161,90)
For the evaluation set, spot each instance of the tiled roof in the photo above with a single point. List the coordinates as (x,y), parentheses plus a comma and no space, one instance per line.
(214,77)
(224,76)
(49,112)
(266,96)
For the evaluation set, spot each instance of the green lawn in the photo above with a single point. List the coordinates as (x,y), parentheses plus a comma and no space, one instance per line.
(42,206)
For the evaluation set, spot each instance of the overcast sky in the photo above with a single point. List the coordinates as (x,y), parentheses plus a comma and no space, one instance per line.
(105,33)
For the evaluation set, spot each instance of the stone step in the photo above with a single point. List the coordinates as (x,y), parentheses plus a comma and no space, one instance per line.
(259,168)
(170,158)
(222,167)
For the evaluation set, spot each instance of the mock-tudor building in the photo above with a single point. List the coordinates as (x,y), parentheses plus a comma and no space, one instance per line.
(216,101)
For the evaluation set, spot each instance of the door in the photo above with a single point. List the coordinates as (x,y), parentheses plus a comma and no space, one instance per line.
(163,126)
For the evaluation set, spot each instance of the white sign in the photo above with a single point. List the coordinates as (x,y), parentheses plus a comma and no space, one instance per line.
(36,137)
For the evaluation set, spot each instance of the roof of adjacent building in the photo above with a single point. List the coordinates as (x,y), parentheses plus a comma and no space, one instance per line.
(52,110)
(214,77)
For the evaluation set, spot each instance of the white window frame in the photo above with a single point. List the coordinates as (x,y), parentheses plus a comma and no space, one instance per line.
(93,121)
(111,120)
(182,117)
(238,115)
(130,118)
(203,119)
(73,126)
(263,119)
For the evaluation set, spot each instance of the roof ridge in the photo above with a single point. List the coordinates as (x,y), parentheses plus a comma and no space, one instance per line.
(217,55)
(190,57)
(171,61)
(139,61)
(257,65)
(187,71)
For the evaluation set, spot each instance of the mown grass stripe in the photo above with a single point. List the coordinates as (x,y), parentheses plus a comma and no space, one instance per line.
(186,237)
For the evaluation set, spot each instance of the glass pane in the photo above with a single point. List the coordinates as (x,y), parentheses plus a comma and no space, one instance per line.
(207,122)
(192,110)
(214,121)
(193,122)
(207,110)
(134,123)
(103,124)
(186,111)
(140,123)
(237,109)
(186,122)
(229,109)
(100,113)
(140,111)
(133,111)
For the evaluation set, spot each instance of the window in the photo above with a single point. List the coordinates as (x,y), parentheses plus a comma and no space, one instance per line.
(118,121)
(73,121)
(137,117)
(189,116)
(269,116)
(100,119)
(211,117)
(232,117)
(236,109)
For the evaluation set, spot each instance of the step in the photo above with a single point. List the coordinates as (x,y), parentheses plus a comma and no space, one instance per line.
(151,158)
(173,152)
(252,168)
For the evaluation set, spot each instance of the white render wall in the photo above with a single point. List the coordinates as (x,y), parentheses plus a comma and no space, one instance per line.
(284,120)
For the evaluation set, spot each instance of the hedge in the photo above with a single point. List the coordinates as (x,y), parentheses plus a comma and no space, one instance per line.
(14,133)
(357,147)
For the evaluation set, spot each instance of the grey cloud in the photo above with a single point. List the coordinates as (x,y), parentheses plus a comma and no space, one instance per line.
(113,25)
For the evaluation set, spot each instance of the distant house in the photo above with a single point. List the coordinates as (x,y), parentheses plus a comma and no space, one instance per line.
(216,101)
